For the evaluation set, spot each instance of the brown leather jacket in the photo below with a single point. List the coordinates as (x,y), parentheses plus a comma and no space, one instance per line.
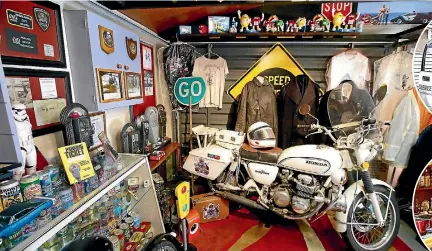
(257,103)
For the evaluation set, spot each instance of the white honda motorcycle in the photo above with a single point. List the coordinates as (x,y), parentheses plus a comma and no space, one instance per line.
(304,182)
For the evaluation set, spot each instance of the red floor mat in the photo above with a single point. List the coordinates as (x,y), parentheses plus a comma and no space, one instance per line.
(221,235)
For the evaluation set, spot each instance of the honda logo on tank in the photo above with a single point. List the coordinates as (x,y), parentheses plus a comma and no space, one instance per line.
(343,7)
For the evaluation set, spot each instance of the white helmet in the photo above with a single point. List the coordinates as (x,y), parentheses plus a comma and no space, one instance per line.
(261,135)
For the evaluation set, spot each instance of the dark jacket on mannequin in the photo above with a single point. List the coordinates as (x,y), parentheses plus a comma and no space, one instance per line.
(299,91)
(257,103)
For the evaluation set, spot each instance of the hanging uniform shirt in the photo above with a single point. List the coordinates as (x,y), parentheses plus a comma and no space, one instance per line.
(395,71)
(403,132)
(213,71)
(348,65)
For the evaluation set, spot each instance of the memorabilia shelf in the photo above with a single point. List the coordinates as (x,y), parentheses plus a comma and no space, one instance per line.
(266,36)
(135,165)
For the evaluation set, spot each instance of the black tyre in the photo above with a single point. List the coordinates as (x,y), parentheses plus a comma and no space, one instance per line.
(164,246)
(363,237)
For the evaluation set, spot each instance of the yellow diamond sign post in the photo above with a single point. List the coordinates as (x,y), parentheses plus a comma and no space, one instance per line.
(277,65)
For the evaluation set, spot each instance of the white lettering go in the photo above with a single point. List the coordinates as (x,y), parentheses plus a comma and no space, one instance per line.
(184,92)
(199,88)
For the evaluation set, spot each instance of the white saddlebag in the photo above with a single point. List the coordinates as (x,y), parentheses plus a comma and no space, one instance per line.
(208,162)
(230,139)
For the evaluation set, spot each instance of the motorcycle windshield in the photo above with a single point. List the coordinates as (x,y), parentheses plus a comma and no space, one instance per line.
(347,104)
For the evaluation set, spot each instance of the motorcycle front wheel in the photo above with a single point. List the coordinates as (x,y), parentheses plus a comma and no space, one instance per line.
(361,236)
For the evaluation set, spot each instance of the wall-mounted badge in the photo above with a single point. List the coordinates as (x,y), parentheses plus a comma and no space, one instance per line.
(42,17)
(106,37)
(131,47)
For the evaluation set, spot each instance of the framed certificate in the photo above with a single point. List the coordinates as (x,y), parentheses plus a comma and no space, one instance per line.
(44,93)
(31,34)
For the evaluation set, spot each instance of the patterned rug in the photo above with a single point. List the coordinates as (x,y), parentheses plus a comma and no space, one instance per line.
(243,230)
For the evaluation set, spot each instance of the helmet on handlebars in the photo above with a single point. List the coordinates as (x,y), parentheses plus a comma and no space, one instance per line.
(261,135)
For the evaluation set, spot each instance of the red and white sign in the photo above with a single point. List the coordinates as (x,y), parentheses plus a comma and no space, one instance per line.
(344,7)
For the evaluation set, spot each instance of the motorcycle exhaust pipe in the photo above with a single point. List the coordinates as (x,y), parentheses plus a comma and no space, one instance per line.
(241,200)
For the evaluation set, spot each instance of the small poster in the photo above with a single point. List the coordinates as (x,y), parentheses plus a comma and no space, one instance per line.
(48,88)
(76,162)
(19,91)
(148,83)
(147,63)
(48,111)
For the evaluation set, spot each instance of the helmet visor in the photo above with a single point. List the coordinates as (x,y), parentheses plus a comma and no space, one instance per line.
(263,133)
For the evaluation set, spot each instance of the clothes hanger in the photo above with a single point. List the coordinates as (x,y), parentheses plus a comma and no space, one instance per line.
(210,52)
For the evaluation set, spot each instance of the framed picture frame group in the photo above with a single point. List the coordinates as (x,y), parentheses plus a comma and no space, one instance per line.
(115,85)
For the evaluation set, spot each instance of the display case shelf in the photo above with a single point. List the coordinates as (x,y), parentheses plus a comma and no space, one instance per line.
(130,164)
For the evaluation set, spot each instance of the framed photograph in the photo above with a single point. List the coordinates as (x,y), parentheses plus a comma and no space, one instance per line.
(44,93)
(147,57)
(133,85)
(110,85)
(98,122)
(31,33)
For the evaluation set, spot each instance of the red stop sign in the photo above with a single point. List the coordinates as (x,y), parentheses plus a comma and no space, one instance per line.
(343,7)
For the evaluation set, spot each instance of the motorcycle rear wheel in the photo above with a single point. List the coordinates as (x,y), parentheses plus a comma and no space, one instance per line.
(361,237)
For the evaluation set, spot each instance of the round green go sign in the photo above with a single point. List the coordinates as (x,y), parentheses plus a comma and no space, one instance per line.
(188,87)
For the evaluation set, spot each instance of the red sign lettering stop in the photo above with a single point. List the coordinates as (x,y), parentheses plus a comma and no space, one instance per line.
(343,7)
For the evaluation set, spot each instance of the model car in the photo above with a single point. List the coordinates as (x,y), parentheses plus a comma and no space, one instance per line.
(412,18)
(157,155)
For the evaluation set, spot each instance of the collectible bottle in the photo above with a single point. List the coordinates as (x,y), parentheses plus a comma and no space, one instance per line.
(427,177)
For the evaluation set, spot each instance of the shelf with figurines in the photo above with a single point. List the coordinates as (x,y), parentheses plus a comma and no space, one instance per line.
(272,27)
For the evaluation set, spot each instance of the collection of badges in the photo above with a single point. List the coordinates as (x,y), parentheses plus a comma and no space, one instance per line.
(106,37)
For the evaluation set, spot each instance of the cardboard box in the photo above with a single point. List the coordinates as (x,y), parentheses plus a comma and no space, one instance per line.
(210,207)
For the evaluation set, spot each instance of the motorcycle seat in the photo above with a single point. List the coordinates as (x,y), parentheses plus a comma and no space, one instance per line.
(263,155)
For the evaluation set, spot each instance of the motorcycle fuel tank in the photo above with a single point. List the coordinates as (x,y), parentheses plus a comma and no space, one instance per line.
(208,162)
(314,159)
(263,174)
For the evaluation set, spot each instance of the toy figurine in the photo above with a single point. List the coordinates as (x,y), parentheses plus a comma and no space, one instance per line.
(325,23)
(312,25)
(273,28)
(290,25)
(301,24)
(234,24)
(318,22)
(359,26)
(338,20)
(28,150)
(267,25)
(280,25)
(350,21)
(203,29)
(256,22)
(245,21)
